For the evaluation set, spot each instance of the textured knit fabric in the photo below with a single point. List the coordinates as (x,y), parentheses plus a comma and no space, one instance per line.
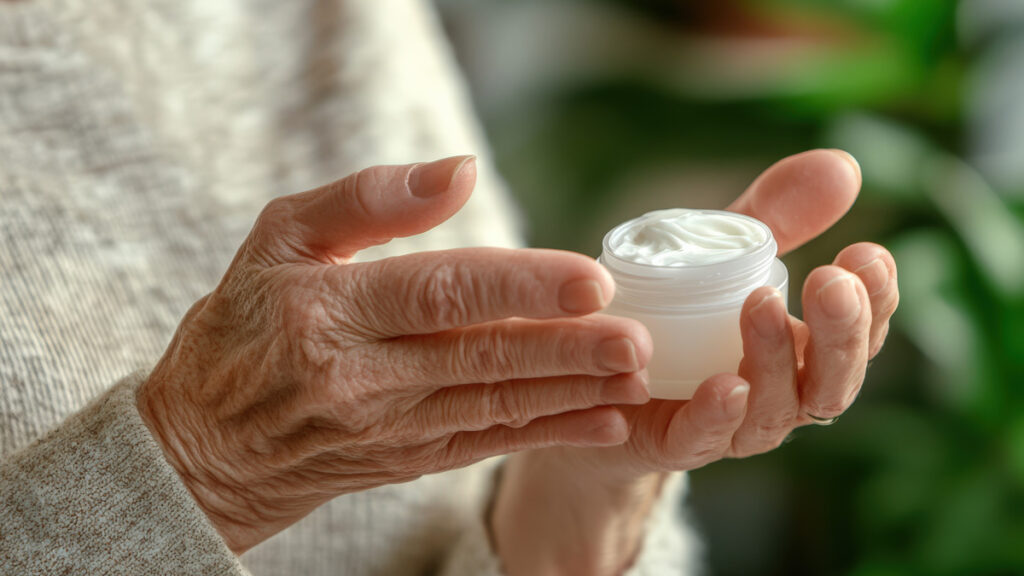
(138,141)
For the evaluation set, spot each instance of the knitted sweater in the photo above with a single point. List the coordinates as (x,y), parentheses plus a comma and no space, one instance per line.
(138,141)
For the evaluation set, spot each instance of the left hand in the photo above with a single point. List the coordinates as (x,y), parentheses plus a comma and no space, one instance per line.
(793,371)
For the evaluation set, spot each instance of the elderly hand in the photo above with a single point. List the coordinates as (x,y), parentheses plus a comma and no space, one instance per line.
(303,375)
(793,373)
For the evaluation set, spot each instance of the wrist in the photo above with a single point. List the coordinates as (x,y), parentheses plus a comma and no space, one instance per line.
(554,517)
(212,497)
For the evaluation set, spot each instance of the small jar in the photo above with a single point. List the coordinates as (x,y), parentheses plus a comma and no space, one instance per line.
(685,275)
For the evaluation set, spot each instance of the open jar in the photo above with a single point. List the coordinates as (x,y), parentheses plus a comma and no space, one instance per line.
(685,274)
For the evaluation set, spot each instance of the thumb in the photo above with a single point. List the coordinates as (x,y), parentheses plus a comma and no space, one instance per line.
(801,196)
(366,208)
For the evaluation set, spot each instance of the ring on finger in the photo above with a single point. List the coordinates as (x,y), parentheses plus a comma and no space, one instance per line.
(819,421)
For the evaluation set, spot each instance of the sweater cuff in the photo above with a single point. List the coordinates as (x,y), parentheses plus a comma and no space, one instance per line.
(669,547)
(96,496)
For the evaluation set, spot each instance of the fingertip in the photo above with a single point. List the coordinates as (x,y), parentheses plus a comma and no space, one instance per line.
(871,262)
(590,288)
(723,394)
(803,195)
(836,172)
(607,283)
(608,427)
(734,405)
(628,350)
(464,176)
(765,312)
(760,295)
(713,416)
(836,295)
(581,296)
(731,393)
(851,163)
(616,355)
(456,173)
(642,342)
(821,276)
(856,255)
(628,388)
(376,204)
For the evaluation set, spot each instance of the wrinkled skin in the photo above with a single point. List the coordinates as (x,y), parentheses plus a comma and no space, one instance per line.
(792,369)
(303,376)
(793,372)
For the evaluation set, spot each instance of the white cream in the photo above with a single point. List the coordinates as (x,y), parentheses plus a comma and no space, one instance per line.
(681,237)
(685,275)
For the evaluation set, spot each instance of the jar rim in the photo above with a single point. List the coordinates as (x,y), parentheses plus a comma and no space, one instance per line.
(690,284)
(607,250)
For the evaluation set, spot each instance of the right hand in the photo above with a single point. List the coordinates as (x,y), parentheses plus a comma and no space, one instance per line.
(303,376)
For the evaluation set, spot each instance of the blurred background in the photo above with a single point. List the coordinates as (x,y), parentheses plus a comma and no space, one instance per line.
(601,110)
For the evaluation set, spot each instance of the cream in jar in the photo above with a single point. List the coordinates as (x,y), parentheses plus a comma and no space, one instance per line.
(685,274)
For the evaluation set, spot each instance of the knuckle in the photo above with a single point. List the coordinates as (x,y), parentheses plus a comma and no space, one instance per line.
(364,304)
(582,394)
(275,231)
(503,406)
(355,189)
(458,450)
(441,295)
(274,212)
(300,314)
(772,431)
(573,349)
(299,307)
(487,357)
(455,409)
(272,219)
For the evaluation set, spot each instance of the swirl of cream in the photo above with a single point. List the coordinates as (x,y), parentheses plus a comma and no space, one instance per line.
(682,237)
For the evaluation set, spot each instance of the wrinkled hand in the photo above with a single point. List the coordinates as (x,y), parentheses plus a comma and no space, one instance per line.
(303,375)
(793,371)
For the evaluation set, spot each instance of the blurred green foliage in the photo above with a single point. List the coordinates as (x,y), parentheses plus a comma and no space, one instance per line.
(925,475)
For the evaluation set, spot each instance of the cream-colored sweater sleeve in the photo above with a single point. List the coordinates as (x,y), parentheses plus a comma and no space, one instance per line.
(669,549)
(95,496)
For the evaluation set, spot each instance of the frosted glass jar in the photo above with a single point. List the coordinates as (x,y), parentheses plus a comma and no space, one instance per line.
(685,274)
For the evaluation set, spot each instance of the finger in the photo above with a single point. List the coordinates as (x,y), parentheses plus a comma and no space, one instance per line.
(875,267)
(602,426)
(801,196)
(364,209)
(433,291)
(769,364)
(701,430)
(838,316)
(596,345)
(515,403)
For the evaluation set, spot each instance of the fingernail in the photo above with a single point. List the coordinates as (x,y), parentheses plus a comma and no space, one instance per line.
(581,296)
(433,178)
(838,298)
(850,160)
(736,400)
(766,316)
(625,389)
(874,275)
(617,355)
